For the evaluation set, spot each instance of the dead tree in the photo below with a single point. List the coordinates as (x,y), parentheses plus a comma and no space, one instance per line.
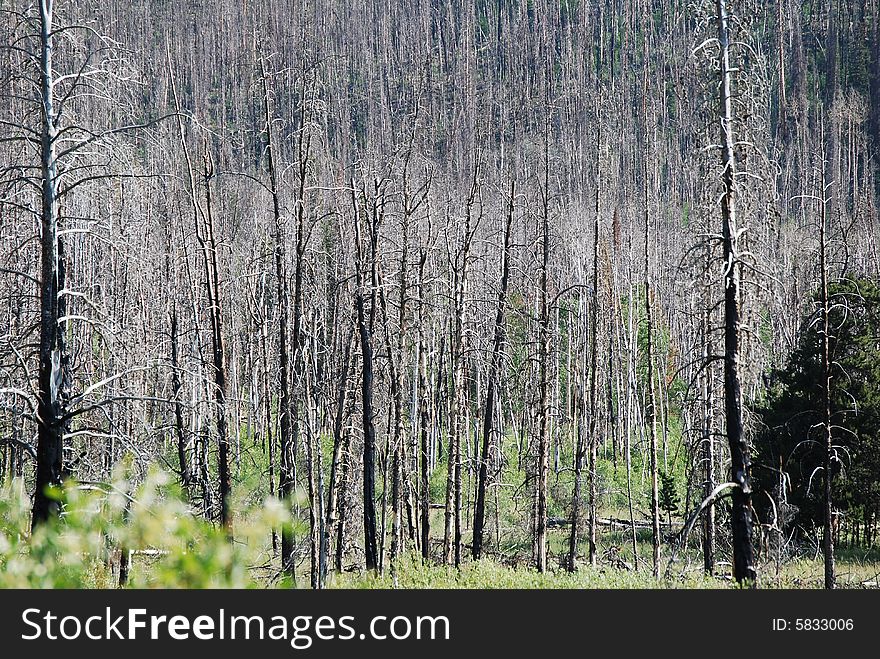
(334,501)
(708,430)
(364,321)
(594,367)
(580,447)
(827,366)
(207,238)
(285,431)
(491,380)
(649,356)
(395,366)
(543,465)
(51,412)
(66,153)
(176,391)
(424,405)
(452,517)
(741,514)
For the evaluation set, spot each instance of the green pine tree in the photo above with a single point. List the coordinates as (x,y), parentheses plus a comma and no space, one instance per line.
(669,501)
(789,419)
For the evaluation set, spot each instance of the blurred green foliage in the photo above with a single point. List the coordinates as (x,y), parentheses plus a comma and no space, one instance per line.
(173,548)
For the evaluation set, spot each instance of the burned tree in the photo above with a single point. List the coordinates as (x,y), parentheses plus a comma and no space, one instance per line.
(741,515)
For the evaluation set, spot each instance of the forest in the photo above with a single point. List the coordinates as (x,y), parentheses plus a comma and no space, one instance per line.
(440,293)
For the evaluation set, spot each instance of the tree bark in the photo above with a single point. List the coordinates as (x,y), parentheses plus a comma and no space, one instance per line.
(543,376)
(285,429)
(741,514)
(491,383)
(425,467)
(828,535)
(53,358)
(594,370)
(371,552)
(365,324)
(652,397)
(334,501)
(708,452)
(209,248)
(452,518)
(176,389)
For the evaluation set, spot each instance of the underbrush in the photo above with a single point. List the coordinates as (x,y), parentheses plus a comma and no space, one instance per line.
(101,524)
(484,574)
(170,546)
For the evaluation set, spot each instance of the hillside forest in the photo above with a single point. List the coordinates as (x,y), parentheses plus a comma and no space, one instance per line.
(430,293)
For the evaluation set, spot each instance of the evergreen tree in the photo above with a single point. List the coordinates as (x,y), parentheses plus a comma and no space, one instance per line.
(789,449)
(669,499)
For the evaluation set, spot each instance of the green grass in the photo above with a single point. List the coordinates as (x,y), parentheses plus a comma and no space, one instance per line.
(411,573)
(82,550)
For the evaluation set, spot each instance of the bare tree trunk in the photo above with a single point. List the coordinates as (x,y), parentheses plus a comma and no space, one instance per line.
(424,484)
(343,508)
(334,501)
(199,219)
(828,537)
(452,458)
(285,430)
(594,412)
(594,365)
(543,372)
(395,365)
(209,248)
(288,448)
(780,48)
(491,382)
(370,544)
(313,476)
(425,416)
(741,515)
(267,411)
(652,396)
(708,452)
(452,519)
(371,547)
(287,470)
(53,359)
(628,422)
(182,452)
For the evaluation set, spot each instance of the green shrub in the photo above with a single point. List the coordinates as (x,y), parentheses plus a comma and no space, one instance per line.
(83,548)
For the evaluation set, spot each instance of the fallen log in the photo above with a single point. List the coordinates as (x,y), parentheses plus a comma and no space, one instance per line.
(611,522)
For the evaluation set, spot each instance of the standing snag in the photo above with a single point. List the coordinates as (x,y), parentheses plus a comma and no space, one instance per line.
(741,514)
